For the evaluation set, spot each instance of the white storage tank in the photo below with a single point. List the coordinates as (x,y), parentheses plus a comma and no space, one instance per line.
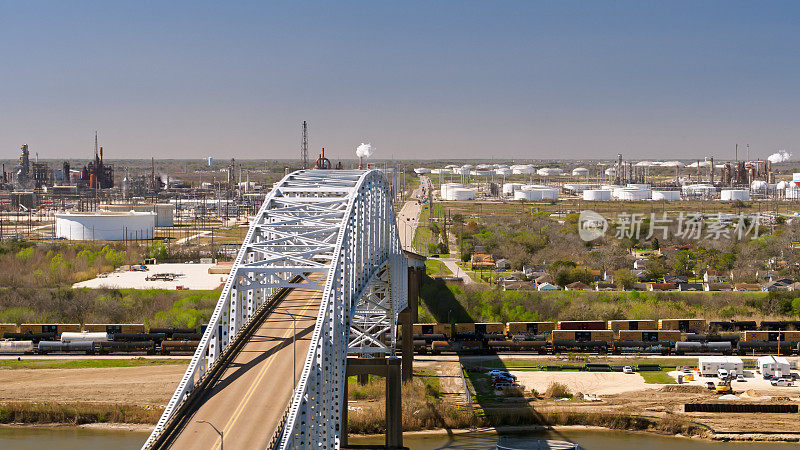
(632,194)
(575,188)
(549,171)
(105,226)
(422,171)
(580,172)
(461,194)
(759,186)
(734,194)
(530,195)
(668,196)
(525,169)
(548,193)
(639,185)
(446,188)
(698,191)
(83,336)
(164,211)
(510,188)
(503,171)
(597,194)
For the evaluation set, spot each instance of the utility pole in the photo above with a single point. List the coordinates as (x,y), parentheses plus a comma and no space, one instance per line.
(304,146)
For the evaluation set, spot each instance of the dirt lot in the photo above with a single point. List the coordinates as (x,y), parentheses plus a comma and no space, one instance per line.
(151,385)
(600,383)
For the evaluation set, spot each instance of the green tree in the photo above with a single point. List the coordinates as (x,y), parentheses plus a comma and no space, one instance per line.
(624,279)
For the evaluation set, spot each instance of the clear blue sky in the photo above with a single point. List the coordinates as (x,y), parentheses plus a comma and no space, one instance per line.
(440,79)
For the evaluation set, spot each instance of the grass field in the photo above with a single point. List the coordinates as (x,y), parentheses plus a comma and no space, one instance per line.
(86,363)
(434,267)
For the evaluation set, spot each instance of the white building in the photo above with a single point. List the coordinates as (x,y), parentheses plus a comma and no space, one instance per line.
(709,365)
(105,226)
(774,366)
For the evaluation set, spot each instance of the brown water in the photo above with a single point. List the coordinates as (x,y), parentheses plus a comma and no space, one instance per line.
(66,438)
(586,439)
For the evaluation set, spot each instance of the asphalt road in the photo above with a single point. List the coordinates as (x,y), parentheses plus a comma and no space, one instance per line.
(249,399)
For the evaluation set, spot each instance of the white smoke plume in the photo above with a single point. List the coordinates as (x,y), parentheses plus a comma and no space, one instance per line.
(781,156)
(364,150)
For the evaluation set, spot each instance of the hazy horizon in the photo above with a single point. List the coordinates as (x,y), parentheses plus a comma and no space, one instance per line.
(443,80)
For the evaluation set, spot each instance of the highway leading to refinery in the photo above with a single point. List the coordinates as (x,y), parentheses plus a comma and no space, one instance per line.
(248,401)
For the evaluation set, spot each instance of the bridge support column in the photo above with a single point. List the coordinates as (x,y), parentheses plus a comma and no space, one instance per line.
(394,404)
(390,369)
(407,348)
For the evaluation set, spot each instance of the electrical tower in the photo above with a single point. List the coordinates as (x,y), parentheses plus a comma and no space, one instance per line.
(304,146)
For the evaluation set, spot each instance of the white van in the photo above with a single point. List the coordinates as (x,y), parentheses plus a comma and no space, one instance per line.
(722,373)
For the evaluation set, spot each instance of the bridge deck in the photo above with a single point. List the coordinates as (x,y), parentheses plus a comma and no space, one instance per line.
(249,399)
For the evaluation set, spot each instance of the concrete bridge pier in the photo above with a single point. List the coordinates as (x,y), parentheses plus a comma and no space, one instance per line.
(390,369)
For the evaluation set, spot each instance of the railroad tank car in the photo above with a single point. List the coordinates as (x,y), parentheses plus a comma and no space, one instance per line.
(581,325)
(169,331)
(442,346)
(107,347)
(186,337)
(683,325)
(70,336)
(571,345)
(631,346)
(733,338)
(650,335)
(724,348)
(113,328)
(444,329)
(732,326)
(539,346)
(617,325)
(757,347)
(34,337)
(16,347)
(45,347)
(779,325)
(530,328)
(57,328)
(171,346)
(138,337)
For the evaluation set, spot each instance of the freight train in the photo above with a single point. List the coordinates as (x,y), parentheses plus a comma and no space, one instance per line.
(94,339)
(665,336)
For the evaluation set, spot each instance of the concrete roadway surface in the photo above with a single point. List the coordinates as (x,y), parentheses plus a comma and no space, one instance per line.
(408,216)
(249,399)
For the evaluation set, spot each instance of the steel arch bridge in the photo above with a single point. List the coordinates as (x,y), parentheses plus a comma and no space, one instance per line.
(329,231)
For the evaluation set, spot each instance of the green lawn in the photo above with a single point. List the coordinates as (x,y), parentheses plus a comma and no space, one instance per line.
(658,377)
(86,363)
(436,267)
(422,234)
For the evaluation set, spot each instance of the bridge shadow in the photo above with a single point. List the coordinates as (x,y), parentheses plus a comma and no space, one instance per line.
(496,412)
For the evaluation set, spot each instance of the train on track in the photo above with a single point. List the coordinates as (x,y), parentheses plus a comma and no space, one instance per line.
(665,337)
(93,339)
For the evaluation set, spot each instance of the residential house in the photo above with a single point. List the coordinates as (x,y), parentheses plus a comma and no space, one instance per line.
(546,278)
(639,287)
(640,264)
(783,284)
(577,286)
(683,287)
(503,264)
(676,279)
(547,287)
(597,275)
(718,287)
(663,286)
(482,261)
(605,287)
(750,287)
(715,276)
(533,268)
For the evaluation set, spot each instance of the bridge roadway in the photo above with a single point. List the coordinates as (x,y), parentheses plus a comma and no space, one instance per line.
(248,400)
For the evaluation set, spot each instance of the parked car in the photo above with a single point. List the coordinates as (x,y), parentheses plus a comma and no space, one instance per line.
(495,372)
(782,382)
(627,369)
(722,373)
(740,378)
(710,385)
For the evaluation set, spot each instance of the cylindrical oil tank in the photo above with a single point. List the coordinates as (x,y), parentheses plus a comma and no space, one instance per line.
(645,186)
(138,337)
(461,194)
(63,347)
(524,169)
(422,170)
(734,194)
(83,336)
(698,191)
(35,337)
(16,347)
(510,188)
(546,192)
(106,226)
(178,346)
(575,188)
(668,196)
(580,172)
(632,194)
(597,194)
(529,195)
